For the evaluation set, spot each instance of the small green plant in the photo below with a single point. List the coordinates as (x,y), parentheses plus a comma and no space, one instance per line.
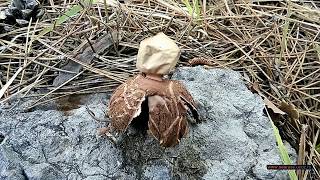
(193,10)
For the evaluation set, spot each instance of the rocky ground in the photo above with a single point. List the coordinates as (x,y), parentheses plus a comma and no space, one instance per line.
(235,140)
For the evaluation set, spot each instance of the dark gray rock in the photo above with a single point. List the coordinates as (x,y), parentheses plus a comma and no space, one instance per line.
(235,140)
(21,11)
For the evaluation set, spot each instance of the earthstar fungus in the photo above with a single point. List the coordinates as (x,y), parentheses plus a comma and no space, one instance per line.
(168,101)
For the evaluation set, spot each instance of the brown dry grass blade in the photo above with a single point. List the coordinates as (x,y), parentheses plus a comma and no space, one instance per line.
(302,148)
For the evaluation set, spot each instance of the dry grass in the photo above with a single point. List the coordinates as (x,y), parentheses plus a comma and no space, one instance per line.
(275,44)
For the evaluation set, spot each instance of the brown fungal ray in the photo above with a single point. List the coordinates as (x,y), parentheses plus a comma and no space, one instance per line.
(125,104)
(168,102)
(186,99)
(165,124)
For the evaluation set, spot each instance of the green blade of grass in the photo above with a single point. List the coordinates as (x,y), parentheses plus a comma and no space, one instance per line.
(66,16)
(283,44)
(283,152)
(189,7)
(318,148)
(317,48)
(196,8)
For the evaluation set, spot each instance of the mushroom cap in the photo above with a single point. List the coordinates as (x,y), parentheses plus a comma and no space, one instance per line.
(157,55)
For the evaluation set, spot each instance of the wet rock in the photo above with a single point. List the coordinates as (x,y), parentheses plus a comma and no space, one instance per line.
(235,140)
